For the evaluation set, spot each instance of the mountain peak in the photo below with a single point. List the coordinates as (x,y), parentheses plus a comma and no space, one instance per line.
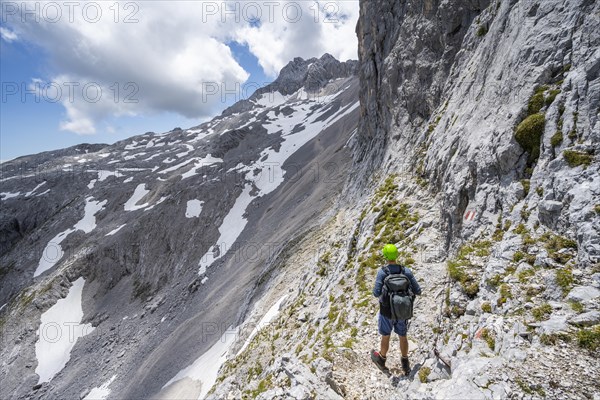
(312,74)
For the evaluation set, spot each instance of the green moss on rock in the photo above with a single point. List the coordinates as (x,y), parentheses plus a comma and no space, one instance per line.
(536,103)
(577,158)
(529,134)
(556,139)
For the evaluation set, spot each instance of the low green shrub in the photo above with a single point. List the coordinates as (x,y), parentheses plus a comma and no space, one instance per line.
(536,103)
(556,139)
(529,133)
(589,338)
(424,373)
(486,307)
(577,158)
(542,312)
(564,279)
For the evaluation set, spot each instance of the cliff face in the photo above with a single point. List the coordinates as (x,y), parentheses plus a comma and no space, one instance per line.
(445,86)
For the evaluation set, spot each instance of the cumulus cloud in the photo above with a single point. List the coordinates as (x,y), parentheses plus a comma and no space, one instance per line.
(7,34)
(111,59)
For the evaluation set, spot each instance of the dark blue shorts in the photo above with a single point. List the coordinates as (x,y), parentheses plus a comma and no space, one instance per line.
(385,326)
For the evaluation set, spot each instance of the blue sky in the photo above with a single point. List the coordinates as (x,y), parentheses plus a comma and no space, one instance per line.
(172,53)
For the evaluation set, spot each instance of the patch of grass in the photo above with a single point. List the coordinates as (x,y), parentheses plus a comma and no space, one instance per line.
(489,338)
(482,30)
(486,307)
(526,183)
(264,385)
(348,343)
(577,158)
(564,279)
(525,275)
(540,191)
(542,312)
(554,338)
(518,256)
(536,102)
(529,133)
(424,374)
(505,294)
(577,306)
(597,208)
(520,229)
(552,96)
(495,281)
(554,243)
(589,338)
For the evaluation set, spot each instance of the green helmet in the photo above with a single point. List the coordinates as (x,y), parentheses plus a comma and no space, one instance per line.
(390,252)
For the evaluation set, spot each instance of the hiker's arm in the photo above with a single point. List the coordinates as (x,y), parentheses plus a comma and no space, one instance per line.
(415,285)
(378,285)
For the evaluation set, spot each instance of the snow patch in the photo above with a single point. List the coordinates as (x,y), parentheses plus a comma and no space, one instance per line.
(128,179)
(194,208)
(34,189)
(271,99)
(138,194)
(232,226)
(157,203)
(206,368)
(103,175)
(53,251)
(203,162)
(8,195)
(58,333)
(101,392)
(115,230)
(88,222)
(190,148)
(177,166)
(263,323)
(43,193)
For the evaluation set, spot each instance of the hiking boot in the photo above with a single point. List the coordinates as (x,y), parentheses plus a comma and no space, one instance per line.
(405,366)
(378,360)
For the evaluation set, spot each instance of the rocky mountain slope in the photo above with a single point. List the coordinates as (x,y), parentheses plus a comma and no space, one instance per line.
(122,264)
(483,117)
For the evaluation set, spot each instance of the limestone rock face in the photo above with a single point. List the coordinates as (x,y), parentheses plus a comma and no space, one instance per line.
(444,86)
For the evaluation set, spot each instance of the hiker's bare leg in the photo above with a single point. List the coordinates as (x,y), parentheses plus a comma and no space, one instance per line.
(403,346)
(385,345)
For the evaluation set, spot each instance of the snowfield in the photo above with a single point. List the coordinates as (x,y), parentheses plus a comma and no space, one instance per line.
(101,392)
(232,226)
(202,373)
(58,333)
(53,251)
(194,208)
(138,194)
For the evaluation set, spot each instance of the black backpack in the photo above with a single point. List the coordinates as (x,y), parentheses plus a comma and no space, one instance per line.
(397,296)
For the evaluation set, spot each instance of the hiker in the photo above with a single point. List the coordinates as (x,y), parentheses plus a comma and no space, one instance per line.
(396,287)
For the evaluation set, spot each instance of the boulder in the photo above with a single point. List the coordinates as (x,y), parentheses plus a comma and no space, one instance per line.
(586,319)
(583,293)
(549,211)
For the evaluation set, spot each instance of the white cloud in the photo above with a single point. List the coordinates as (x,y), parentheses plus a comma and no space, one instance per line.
(326,27)
(8,35)
(164,61)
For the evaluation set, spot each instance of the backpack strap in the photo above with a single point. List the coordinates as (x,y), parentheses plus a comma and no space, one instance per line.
(386,269)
